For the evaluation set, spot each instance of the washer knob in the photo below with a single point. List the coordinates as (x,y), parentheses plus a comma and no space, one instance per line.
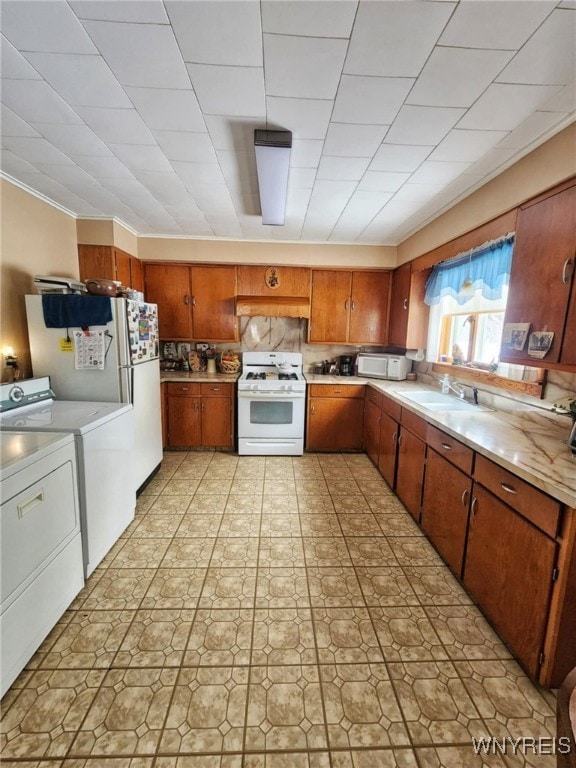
(16,394)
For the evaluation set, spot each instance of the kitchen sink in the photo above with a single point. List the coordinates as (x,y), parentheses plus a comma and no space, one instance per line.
(438,401)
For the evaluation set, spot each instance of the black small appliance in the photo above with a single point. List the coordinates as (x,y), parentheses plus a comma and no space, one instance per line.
(346,365)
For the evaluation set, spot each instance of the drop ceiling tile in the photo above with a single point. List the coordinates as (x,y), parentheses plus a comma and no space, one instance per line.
(395,38)
(308,19)
(74,139)
(185,208)
(394,213)
(14,165)
(466,146)
(303,67)
(301,178)
(190,147)
(423,125)
(35,150)
(231,91)
(36,102)
(331,197)
(141,157)
(224,227)
(168,109)
(12,125)
(495,160)
(194,174)
(252,226)
(535,126)
(503,107)
(103,167)
(348,140)
(118,126)
(37,25)
(382,181)
(13,65)
(305,153)
(456,77)
(399,158)
(233,132)
(226,32)
(141,11)
(418,192)
(370,100)
(166,188)
(71,176)
(342,168)
(504,25)
(563,101)
(238,168)
(81,80)
(437,172)
(535,64)
(213,199)
(306,118)
(127,50)
(363,206)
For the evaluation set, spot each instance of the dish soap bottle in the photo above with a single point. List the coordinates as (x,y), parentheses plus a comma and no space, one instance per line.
(445,384)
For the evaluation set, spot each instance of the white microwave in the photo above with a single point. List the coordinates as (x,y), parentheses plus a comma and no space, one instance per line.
(383,366)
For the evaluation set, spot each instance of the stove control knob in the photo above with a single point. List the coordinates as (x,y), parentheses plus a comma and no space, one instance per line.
(16,394)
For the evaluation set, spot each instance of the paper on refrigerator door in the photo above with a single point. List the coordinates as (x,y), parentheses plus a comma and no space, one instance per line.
(89,350)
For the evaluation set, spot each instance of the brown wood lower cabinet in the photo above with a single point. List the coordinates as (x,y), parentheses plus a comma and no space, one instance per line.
(335,417)
(200,415)
(411,462)
(447,494)
(509,570)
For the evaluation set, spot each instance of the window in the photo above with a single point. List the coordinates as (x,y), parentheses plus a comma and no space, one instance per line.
(467,296)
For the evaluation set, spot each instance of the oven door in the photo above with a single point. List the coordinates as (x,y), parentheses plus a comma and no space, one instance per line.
(271,414)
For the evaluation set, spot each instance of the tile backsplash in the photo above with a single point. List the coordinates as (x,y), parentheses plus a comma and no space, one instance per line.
(266,334)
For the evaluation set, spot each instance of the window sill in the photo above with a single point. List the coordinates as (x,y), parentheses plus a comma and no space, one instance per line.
(532,388)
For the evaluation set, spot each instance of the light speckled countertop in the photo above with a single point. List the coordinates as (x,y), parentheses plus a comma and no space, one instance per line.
(529,442)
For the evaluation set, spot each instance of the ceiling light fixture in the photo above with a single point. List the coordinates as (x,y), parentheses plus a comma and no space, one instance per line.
(272,150)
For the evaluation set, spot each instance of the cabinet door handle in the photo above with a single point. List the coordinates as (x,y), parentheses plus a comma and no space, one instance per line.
(193,301)
(183,389)
(353,304)
(346,304)
(312,408)
(508,488)
(565,277)
(195,407)
(399,439)
(186,299)
(405,304)
(379,419)
(204,407)
(337,391)
(474,506)
(465,495)
(394,438)
(215,389)
(446,447)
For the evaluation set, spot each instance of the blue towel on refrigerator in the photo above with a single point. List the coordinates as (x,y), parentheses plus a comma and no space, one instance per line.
(73,311)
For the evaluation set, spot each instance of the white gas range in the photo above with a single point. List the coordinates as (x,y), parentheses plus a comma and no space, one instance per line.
(271,404)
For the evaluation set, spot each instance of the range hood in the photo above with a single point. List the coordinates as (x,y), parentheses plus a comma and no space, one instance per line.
(273,306)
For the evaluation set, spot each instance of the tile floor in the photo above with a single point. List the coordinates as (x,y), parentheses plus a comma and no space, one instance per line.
(270,613)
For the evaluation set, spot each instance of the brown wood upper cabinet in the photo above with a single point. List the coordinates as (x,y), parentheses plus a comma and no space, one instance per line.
(111,263)
(408,325)
(194,302)
(542,284)
(349,307)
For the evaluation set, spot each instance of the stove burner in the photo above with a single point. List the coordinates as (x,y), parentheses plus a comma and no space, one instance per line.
(290,376)
(255,375)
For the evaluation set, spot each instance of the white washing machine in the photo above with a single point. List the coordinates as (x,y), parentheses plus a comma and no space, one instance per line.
(41,565)
(104,441)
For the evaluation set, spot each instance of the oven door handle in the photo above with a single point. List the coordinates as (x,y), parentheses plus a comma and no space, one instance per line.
(245,394)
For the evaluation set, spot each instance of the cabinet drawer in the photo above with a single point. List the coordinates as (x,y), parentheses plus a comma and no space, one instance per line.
(456,452)
(414,423)
(391,407)
(336,390)
(373,396)
(184,388)
(216,390)
(540,509)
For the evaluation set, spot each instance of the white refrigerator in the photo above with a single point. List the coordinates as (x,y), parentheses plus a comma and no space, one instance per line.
(125,370)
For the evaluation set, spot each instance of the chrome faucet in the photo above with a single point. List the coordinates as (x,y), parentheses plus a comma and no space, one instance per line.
(459,389)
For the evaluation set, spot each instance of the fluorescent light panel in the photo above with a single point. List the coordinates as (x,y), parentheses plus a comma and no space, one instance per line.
(272,150)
